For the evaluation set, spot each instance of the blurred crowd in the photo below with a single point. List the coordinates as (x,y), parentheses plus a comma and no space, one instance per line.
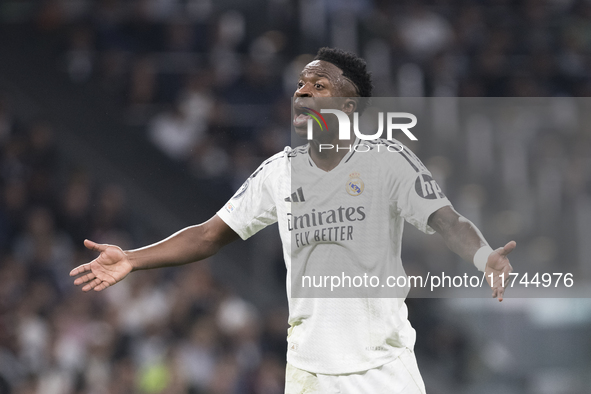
(156,332)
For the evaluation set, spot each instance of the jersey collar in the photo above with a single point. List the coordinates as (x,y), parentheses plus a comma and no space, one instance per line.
(344,159)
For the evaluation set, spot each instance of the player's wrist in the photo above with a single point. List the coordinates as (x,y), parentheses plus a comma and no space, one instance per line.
(481,257)
(132,261)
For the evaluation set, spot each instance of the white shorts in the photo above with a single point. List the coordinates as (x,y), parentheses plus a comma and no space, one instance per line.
(399,376)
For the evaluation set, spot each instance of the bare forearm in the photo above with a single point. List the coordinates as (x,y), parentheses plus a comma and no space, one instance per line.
(191,244)
(460,235)
(180,248)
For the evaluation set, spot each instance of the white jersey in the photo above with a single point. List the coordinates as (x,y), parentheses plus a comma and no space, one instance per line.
(345,222)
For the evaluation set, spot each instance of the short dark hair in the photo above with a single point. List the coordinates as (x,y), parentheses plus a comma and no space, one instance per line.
(353,68)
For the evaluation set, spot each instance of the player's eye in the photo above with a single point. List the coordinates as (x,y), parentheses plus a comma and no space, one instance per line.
(300,84)
(318,86)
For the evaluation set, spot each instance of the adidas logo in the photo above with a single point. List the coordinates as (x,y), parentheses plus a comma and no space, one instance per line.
(296,196)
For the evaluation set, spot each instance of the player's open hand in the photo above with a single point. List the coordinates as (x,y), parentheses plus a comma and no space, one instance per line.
(498,265)
(111,266)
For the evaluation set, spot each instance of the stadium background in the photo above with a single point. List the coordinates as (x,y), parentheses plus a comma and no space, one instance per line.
(124,121)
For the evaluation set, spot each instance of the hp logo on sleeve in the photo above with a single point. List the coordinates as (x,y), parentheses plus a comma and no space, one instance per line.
(426,187)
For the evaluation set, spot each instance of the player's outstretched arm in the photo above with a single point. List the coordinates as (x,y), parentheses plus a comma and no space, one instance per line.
(464,238)
(188,245)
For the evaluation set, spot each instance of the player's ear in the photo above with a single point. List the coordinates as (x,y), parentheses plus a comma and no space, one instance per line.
(349,105)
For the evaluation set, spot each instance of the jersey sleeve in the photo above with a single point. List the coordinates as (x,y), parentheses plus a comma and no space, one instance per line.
(415,195)
(252,207)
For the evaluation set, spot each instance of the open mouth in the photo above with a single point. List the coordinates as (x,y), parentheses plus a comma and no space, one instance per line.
(300,116)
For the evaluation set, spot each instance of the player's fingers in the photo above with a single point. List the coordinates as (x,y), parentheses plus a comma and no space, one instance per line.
(500,293)
(505,282)
(497,288)
(507,276)
(505,250)
(92,285)
(80,269)
(102,286)
(94,246)
(84,279)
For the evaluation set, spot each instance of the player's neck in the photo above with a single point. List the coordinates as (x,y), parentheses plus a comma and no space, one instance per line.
(328,154)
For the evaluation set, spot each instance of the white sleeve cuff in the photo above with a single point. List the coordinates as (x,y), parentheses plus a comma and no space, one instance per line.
(481,257)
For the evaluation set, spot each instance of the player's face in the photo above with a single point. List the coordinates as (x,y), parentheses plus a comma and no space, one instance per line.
(318,80)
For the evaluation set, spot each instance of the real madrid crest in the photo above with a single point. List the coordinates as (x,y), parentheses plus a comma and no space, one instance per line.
(354,184)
